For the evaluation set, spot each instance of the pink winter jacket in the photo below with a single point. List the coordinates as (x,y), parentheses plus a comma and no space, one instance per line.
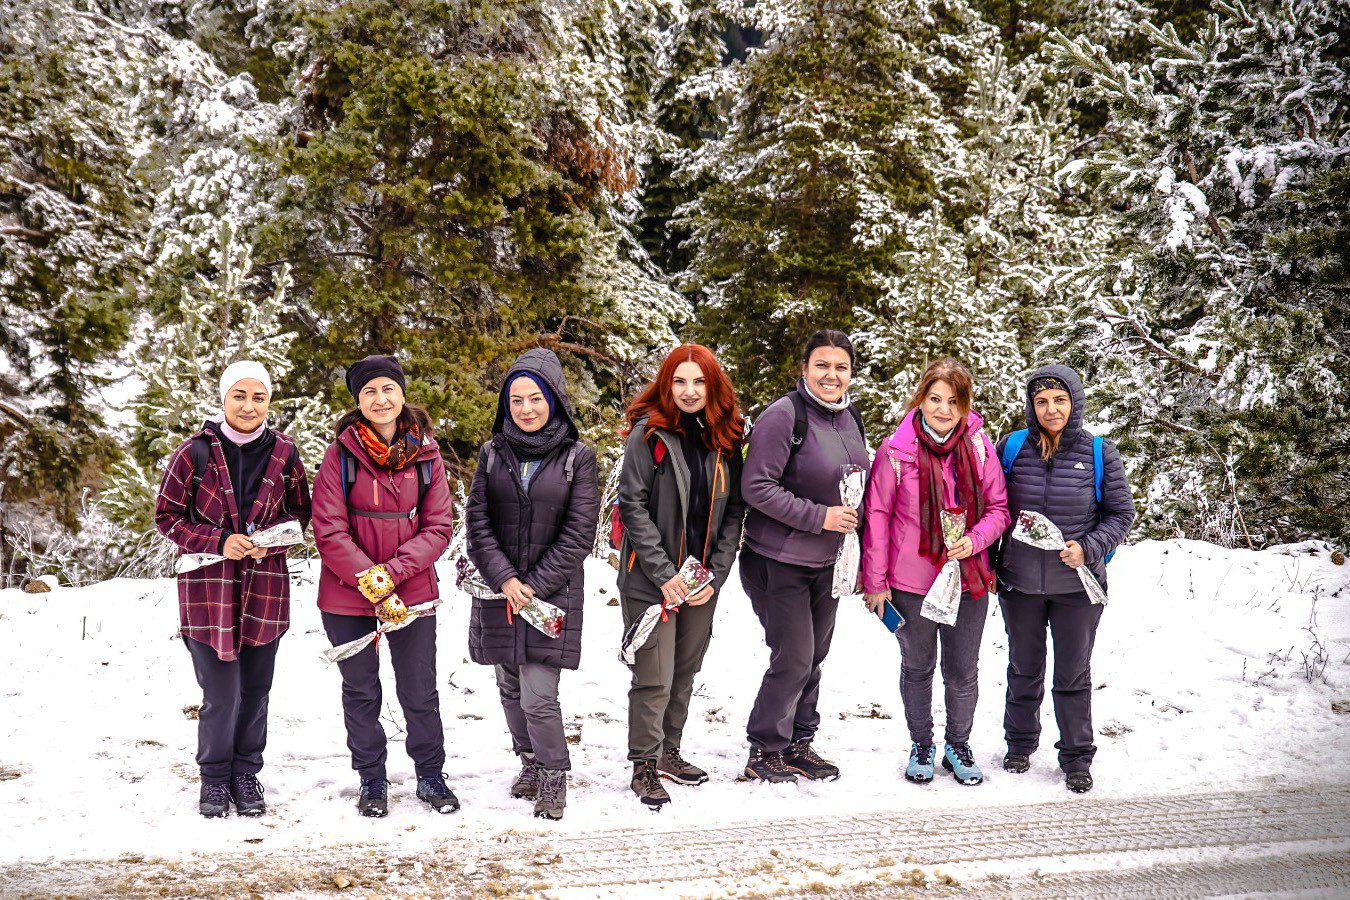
(350,544)
(890,542)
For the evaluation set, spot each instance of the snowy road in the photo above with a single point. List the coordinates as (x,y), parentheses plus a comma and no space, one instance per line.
(1196,845)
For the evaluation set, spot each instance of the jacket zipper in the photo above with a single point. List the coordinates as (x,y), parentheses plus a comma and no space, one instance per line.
(1045,505)
(717,474)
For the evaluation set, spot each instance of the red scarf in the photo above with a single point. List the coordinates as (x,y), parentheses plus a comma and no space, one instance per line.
(390,457)
(975,572)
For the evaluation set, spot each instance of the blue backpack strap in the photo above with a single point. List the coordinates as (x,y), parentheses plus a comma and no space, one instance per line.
(1013,446)
(347,466)
(1097,467)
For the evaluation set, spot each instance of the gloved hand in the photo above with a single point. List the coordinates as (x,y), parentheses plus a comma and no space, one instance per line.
(375,583)
(391,609)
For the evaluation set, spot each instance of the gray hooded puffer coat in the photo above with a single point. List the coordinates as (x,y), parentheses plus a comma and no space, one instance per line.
(1062,488)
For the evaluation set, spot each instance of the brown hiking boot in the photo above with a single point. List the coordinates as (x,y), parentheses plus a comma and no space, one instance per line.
(647,785)
(526,785)
(552,794)
(767,765)
(675,767)
(801,758)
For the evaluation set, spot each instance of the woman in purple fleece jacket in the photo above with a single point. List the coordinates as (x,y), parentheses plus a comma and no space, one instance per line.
(792,536)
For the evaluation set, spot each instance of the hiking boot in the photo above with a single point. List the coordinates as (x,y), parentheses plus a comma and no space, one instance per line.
(1078,782)
(678,769)
(647,785)
(768,765)
(1017,763)
(801,758)
(552,794)
(921,761)
(960,761)
(374,800)
(432,790)
(526,785)
(214,801)
(247,793)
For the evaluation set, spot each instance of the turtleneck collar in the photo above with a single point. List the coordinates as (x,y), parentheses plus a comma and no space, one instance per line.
(239,438)
(843,403)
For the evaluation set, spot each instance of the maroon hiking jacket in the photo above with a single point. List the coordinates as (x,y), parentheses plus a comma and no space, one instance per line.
(235,602)
(349,544)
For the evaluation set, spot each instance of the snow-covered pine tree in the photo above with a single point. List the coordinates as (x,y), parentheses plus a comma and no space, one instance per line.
(838,140)
(1218,333)
(975,278)
(232,316)
(69,218)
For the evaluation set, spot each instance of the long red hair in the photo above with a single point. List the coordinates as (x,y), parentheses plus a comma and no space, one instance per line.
(726,425)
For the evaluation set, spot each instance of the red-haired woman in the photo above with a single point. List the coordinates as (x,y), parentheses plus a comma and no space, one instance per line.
(679,496)
(938,457)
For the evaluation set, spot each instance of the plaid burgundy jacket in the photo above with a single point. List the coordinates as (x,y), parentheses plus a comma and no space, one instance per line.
(234,602)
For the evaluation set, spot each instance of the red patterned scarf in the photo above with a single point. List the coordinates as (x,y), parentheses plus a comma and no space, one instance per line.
(970,494)
(393,456)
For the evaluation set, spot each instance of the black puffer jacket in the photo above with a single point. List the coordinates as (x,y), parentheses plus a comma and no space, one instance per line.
(542,536)
(1063,489)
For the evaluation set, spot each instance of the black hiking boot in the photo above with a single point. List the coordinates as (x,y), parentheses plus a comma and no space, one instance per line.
(767,765)
(247,793)
(374,800)
(214,801)
(647,785)
(1078,782)
(526,785)
(678,769)
(552,794)
(432,790)
(1016,763)
(801,758)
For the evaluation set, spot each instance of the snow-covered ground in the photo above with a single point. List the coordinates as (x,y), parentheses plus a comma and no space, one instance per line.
(1200,672)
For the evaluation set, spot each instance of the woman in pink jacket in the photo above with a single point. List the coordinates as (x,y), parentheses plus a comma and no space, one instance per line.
(939,457)
(382,517)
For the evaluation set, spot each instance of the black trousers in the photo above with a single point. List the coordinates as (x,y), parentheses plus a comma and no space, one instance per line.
(232,724)
(797,611)
(1072,619)
(412,650)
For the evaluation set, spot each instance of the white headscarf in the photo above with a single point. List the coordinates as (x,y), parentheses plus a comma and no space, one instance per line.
(237,372)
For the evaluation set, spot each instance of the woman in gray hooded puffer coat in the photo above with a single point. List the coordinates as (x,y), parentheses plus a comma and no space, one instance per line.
(1055,472)
(530,522)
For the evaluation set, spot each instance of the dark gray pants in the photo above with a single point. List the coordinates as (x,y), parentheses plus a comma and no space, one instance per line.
(797,611)
(919,639)
(663,677)
(530,700)
(412,650)
(1073,622)
(232,724)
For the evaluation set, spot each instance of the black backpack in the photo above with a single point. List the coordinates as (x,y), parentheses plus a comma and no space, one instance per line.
(569,465)
(199,451)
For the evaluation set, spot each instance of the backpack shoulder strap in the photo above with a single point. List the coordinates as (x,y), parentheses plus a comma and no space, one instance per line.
(199,451)
(799,424)
(570,465)
(1011,447)
(424,472)
(857,420)
(1097,466)
(491,458)
(348,469)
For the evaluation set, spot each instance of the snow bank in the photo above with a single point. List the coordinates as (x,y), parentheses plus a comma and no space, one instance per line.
(1201,683)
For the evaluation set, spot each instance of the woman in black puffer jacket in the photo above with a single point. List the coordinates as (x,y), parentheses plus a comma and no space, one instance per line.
(531,523)
(1054,473)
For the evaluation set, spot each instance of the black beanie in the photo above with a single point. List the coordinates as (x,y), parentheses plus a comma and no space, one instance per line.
(360,373)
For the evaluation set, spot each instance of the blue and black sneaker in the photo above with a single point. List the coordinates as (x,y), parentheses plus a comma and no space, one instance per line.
(374,799)
(958,760)
(433,791)
(920,768)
